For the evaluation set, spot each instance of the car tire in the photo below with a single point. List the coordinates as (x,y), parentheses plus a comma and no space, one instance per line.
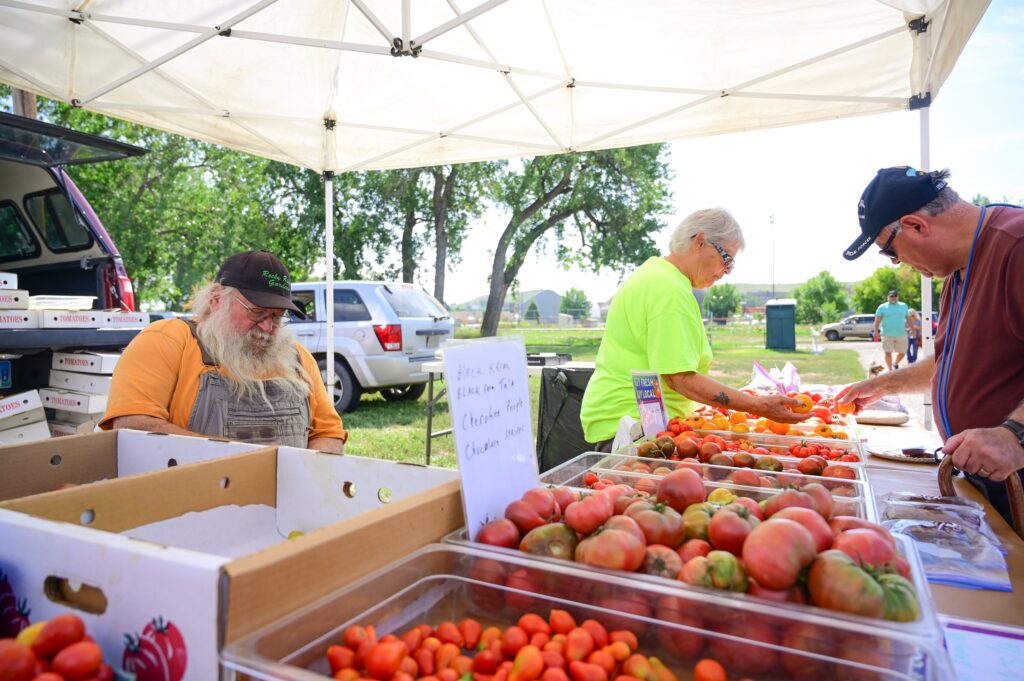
(347,390)
(404,393)
(832,335)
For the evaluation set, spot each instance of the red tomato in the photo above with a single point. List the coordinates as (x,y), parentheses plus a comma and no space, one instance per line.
(693,548)
(807,637)
(528,664)
(813,522)
(619,545)
(470,630)
(500,532)
(730,526)
(561,621)
(384,659)
(485,572)
(681,488)
(867,548)
(543,501)
(776,551)
(17,662)
(59,632)
(565,496)
(660,523)
(684,643)
(597,631)
(745,658)
(340,657)
(842,523)
(632,604)
(512,639)
(77,661)
(525,516)
(823,413)
(522,580)
(586,671)
(589,513)
(661,561)
(717,570)
(835,582)
(786,498)
(752,506)
(448,632)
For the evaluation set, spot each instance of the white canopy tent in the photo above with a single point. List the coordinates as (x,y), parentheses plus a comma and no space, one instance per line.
(339,85)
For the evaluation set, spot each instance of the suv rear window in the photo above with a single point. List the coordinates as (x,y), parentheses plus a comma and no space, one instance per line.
(55,218)
(349,307)
(16,242)
(408,301)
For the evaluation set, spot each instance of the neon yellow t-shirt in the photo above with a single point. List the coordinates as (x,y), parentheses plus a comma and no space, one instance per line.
(654,324)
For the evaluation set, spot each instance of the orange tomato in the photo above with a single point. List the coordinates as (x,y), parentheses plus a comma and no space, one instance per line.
(778,428)
(709,670)
(806,403)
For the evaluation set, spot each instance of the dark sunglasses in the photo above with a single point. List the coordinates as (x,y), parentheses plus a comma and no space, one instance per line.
(887,250)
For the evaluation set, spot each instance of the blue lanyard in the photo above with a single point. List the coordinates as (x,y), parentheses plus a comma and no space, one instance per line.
(958,294)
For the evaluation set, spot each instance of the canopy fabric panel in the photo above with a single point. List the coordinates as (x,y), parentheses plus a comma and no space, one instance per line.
(407,83)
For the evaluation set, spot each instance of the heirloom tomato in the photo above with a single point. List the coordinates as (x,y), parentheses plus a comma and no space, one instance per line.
(785,499)
(661,561)
(697,518)
(901,603)
(555,540)
(660,523)
(590,512)
(776,551)
(692,548)
(835,582)
(867,548)
(618,544)
(500,532)
(813,522)
(730,526)
(842,523)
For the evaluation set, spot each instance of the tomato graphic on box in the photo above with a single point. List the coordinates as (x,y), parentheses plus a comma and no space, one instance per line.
(13,613)
(157,654)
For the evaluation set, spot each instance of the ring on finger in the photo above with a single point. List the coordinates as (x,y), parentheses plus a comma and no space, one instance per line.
(982,472)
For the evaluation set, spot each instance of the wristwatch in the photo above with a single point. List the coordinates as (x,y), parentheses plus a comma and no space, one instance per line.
(1016,428)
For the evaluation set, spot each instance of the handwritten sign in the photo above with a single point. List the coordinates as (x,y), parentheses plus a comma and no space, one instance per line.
(489,400)
(650,402)
(984,651)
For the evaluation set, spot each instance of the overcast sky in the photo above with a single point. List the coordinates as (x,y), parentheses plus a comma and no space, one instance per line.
(811,176)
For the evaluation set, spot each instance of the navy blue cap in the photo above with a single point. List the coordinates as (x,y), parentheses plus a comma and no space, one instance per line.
(893,193)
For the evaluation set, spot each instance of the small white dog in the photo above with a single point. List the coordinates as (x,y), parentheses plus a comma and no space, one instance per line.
(875,369)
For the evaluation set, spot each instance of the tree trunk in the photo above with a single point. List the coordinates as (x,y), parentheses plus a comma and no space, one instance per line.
(408,248)
(24,103)
(442,198)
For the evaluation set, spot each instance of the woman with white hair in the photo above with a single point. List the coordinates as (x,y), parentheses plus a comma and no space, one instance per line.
(654,324)
(913,335)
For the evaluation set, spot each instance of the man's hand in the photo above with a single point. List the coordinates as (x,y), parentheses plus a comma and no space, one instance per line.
(992,453)
(780,408)
(860,394)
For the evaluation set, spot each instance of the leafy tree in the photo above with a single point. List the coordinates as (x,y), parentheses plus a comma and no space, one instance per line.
(575,303)
(532,312)
(722,300)
(873,291)
(599,209)
(820,299)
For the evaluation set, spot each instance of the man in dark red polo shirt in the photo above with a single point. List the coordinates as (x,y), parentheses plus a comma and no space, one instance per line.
(977,373)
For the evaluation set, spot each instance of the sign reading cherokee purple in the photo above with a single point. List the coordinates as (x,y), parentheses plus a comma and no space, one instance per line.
(650,402)
(489,401)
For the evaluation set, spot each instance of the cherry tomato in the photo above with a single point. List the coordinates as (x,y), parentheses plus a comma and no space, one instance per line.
(59,632)
(78,661)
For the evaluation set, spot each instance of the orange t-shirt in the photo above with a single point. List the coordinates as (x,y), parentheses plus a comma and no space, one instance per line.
(158,375)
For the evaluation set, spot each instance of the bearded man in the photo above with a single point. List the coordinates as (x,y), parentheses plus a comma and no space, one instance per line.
(235,371)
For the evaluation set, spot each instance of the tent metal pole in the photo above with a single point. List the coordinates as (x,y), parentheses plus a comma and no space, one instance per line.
(372,18)
(456,22)
(928,342)
(329,269)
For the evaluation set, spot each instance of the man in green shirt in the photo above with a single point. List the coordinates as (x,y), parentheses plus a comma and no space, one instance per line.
(892,318)
(654,324)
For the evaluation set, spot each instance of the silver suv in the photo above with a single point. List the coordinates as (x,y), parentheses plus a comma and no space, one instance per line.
(858,326)
(383,333)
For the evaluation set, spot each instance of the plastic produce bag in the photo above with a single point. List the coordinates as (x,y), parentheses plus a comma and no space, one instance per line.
(956,544)
(774,379)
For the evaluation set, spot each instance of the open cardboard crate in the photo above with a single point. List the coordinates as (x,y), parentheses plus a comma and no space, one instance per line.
(205,548)
(46,465)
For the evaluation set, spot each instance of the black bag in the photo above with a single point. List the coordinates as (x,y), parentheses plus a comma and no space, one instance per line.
(559,431)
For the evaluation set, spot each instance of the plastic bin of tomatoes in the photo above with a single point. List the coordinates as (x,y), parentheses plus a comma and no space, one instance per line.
(58,649)
(825,420)
(702,444)
(789,548)
(557,622)
(848,486)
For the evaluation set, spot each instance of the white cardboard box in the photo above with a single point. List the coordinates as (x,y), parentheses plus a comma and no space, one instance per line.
(13,299)
(65,428)
(212,574)
(76,418)
(19,319)
(8,280)
(87,362)
(30,433)
(21,409)
(118,319)
(69,400)
(97,384)
(71,319)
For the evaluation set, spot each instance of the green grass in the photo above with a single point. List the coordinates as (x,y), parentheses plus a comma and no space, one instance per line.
(397,430)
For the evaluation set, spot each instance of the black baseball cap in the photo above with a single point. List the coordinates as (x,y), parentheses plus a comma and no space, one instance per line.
(894,292)
(893,193)
(261,278)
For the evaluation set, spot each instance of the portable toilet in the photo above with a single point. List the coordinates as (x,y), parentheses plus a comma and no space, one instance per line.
(780,318)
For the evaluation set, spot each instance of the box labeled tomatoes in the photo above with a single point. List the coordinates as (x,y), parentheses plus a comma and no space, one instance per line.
(166,566)
(465,599)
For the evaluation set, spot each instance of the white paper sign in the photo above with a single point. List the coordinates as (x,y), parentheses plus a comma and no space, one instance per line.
(489,400)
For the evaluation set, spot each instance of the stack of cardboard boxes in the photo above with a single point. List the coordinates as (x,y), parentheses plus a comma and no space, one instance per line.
(19,310)
(22,419)
(79,385)
(14,312)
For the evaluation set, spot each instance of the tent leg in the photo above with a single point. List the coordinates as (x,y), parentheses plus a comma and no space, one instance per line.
(927,341)
(329,269)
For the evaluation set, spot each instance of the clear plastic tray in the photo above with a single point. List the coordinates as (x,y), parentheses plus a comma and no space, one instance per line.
(771,440)
(447,583)
(853,497)
(849,427)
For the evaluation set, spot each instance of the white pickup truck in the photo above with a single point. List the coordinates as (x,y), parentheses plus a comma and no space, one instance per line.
(383,333)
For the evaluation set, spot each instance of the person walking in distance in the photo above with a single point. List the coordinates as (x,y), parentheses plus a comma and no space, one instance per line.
(913,336)
(891,324)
